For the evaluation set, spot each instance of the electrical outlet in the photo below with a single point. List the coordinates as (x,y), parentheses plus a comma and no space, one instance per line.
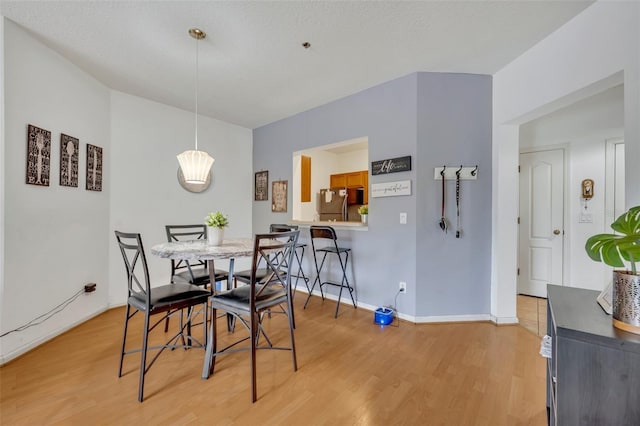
(402,286)
(403,218)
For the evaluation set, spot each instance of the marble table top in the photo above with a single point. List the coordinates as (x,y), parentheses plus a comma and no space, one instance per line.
(200,250)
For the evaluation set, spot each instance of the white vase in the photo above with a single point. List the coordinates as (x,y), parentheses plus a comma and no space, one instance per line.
(215,235)
(365,218)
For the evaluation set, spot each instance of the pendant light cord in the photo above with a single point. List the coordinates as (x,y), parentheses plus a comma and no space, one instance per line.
(196,131)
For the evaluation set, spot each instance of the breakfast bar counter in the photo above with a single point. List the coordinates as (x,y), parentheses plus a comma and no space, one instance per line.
(354,226)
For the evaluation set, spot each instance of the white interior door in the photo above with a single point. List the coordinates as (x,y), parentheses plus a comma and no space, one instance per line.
(614,180)
(541,230)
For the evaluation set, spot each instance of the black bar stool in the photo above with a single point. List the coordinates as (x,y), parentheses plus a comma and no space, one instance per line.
(299,255)
(328,233)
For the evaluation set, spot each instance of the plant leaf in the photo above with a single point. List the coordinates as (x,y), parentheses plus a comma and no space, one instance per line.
(628,223)
(614,249)
(630,252)
(611,255)
(595,243)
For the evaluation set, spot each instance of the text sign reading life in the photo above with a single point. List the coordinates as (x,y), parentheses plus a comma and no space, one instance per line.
(391,189)
(392,165)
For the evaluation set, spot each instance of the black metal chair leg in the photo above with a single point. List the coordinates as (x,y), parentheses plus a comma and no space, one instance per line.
(321,265)
(124,338)
(346,280)
(316,280)
(212,340)
(143,357)
(338,304)
(254,338)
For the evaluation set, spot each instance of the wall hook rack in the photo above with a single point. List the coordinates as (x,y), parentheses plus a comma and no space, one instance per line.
(452,172)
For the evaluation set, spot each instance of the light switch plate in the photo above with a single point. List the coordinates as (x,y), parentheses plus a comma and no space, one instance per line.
(403,218)
(586,218)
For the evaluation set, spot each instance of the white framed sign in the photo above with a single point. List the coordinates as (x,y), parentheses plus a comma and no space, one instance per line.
(391,189)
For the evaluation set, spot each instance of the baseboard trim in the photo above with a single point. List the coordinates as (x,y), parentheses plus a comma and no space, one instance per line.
(421,319)
(504,320)
(5,358)
(454,318)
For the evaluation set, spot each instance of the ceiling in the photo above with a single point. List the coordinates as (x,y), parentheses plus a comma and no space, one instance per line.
(253,69)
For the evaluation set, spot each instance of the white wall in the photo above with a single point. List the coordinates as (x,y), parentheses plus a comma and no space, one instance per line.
(584,128)
(55,238)
(323,165)
(580,59)
(2,203)
(353,161)
(146,195)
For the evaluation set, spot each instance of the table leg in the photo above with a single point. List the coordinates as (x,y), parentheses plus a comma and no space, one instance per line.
(231,321)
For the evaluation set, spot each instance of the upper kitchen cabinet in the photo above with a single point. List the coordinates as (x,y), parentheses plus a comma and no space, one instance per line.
(349,179)
(338,180)
(358,179)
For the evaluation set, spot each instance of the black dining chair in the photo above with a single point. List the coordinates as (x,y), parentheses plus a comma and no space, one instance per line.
(166,299)
(194,272)
(261,272)
(327,235)
(264,292)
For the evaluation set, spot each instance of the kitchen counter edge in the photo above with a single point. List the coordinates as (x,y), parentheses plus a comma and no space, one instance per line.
(352,226)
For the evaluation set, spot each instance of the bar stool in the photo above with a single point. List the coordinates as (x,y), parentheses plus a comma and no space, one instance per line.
(299,255)
(328,233)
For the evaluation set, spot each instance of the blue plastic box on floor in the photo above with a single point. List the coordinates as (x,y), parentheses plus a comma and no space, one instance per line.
(383,316)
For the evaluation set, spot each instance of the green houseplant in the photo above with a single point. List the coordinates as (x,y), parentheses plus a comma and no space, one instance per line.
(614,250)
(216,222)
(363,211)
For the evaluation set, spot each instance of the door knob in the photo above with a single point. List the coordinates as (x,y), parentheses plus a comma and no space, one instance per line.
(556,232)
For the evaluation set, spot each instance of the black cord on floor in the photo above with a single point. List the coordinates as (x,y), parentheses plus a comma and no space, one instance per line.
(42,318)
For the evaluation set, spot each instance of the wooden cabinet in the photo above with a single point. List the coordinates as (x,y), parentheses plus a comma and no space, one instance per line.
(305,179)
(352,180)
(338,181)
(593,375)
(365,183)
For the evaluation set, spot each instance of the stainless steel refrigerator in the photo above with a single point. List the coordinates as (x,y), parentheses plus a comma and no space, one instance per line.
(332,204)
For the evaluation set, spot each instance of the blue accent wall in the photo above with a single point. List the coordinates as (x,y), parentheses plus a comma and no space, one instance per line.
(433,118)
(454,128)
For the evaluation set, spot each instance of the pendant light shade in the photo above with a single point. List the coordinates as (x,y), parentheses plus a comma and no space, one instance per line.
(196,164)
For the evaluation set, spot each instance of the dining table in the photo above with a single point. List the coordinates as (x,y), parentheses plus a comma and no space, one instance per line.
(230,248)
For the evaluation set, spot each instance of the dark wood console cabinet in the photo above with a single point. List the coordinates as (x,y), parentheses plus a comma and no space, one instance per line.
(593,376)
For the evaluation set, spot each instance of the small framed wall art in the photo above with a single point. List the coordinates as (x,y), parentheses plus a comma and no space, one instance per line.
(391,165)
(69,154)
(94,168)
(262,186)
(38,156)
(279,196)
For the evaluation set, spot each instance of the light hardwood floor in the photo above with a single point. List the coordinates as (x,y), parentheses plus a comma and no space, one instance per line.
(532,313)
(351,372)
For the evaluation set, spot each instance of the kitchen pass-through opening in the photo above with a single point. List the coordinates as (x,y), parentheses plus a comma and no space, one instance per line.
(334,199)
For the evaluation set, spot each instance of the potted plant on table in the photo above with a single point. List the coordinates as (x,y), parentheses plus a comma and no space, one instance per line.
(363,211)
(216,222)
(615,250)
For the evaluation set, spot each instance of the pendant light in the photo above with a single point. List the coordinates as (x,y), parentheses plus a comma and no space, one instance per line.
(196,164)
